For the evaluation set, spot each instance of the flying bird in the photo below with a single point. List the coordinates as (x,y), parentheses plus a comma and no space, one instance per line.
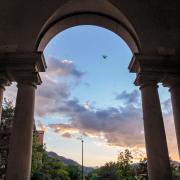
(104,56)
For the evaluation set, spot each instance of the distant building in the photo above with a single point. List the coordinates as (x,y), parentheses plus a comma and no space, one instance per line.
(40,135)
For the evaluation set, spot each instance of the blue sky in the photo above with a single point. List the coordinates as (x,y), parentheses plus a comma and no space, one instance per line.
(85,45)
(84,94)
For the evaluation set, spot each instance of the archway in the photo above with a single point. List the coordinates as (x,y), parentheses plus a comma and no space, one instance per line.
(84,14)
(100,20)
(100,81)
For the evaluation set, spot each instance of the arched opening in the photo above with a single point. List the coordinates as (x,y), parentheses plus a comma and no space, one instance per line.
(137,150)
(101,103)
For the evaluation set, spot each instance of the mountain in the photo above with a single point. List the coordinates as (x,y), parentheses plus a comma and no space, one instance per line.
(67,161)
(63,159)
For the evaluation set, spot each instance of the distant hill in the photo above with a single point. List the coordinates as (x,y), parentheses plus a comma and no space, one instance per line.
(67,161)
(87,170)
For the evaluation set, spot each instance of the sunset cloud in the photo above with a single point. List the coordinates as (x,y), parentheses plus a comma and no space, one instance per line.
(120,126)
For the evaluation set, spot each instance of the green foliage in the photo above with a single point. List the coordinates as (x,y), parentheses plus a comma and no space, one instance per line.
(51,169)
(141,170)
(175,172)
(54,168)
(37,152)
(8,110)
(5,131)
(74,172)
(120,170)
(124,167)
(94,175)
(109,171)
(48,168)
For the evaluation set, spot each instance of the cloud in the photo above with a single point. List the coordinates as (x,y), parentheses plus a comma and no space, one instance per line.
(129,98)
(170,129)
(42,126)
(88,105)
(167,107)
(60,78)
(67,135)
(120,126)
(62,68)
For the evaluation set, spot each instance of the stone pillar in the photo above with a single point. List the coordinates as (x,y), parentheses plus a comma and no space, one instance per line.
(19,160)
(23,68)
(156,146)
(150,70)
(175,99)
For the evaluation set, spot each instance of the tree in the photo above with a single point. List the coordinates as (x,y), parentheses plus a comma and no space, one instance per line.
(125,170)
(5,132)
(108,171)
(37,154)
(74,172)
(8,110)
(94,175)
(51,169)
(120,170)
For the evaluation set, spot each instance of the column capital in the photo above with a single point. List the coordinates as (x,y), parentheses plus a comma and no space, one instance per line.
(171,81)
(29,78)
(24,83)
(146,79)
(154,68)
(23,66)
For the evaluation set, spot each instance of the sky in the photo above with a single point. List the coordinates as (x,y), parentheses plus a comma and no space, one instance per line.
(85,95)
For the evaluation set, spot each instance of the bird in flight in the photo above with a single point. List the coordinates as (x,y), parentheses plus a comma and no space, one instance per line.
(104,56)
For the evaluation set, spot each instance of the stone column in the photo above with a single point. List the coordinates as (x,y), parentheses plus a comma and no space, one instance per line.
(23,68)
(156,145)
(150,70)
(19,160)
(175,99)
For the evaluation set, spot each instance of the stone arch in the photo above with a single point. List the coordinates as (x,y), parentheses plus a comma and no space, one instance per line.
(104,15)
